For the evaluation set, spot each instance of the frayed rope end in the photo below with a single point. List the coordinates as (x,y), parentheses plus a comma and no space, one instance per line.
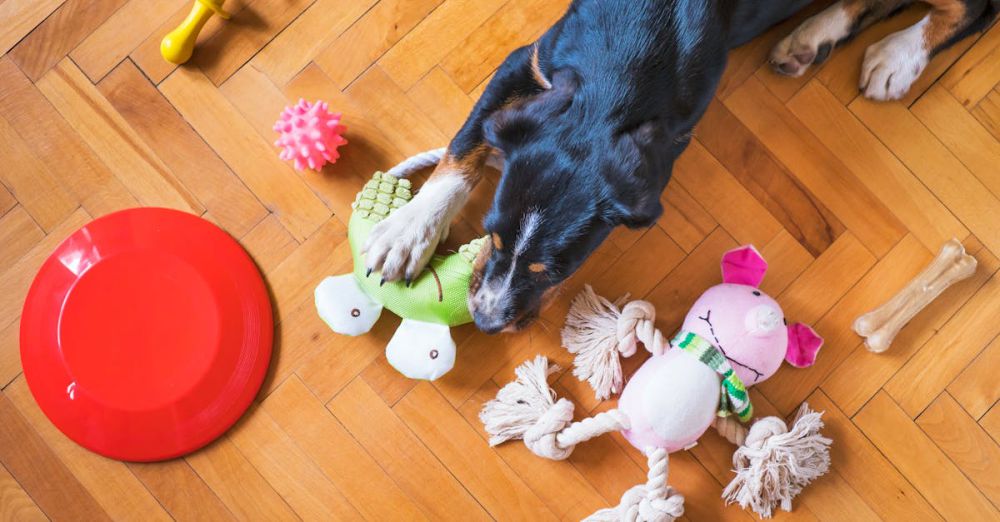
(776,462)
(591,333)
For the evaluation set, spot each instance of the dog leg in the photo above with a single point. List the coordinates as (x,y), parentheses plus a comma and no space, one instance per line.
(814,40)
(893,64)
(402,244)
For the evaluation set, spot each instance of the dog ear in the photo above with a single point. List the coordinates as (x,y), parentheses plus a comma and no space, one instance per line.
(635,184)
(518,122)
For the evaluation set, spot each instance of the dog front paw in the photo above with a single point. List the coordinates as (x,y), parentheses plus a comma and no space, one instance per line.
(401,245)
(893,64)
(811,42)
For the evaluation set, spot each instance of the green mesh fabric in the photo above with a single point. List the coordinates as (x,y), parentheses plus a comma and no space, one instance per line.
(440,293)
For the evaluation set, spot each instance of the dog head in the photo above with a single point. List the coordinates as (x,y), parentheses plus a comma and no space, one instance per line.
(564,187)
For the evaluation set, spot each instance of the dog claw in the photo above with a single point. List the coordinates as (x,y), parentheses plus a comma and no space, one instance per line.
(368,272)
(382,282)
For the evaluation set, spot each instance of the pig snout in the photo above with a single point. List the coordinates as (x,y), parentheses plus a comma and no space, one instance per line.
(762,320)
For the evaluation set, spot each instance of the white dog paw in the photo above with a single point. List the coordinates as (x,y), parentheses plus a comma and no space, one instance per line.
(401,245)
(893,64)
(811,42)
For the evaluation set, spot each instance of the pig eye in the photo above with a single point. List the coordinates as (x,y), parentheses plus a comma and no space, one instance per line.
(784,321)
(756,293)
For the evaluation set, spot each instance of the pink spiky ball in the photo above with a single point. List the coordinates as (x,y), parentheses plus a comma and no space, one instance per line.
(310,135)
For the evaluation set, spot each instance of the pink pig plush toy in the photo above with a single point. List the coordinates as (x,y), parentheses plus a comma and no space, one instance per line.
(734,337)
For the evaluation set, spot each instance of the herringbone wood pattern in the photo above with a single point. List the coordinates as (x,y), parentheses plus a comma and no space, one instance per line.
(846,198)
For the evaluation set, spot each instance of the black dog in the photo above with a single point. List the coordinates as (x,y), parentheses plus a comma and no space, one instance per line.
(591,117)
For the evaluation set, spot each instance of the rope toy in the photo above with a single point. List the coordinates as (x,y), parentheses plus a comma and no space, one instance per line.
(733,337)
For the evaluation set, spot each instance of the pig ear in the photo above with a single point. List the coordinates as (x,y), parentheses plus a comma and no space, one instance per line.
(743,266)
(803,344)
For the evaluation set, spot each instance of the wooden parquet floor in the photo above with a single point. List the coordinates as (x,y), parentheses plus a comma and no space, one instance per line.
(846,198)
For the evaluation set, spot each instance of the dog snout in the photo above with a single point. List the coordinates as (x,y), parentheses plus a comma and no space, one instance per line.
(490,309)
(489,324)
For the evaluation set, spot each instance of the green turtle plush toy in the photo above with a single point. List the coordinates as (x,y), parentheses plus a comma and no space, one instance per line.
(436,300)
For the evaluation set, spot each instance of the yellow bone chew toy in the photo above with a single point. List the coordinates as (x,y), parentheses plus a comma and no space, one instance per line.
(178,45)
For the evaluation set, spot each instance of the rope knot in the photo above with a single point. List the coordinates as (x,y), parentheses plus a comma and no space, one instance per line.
(542,437)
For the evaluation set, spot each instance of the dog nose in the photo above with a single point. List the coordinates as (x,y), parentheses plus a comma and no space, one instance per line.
(489,324)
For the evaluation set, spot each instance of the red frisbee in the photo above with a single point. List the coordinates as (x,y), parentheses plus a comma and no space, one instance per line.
(146,334)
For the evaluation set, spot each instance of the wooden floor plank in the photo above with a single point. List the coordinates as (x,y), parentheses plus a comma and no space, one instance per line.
(927,467)
(54,142)
(21,16)
(42,475)
(729,203)
(895,186)
(245,34)
(800,212)
(180,148)
(962,134)
(237,483)
(815,166)
(180,490)
(107,133)
(18,233)
(978,71)
(515,24)
(249,156)
(684,219)
(368,39)
(15,504)
(289,470)
(342,459)
(314,30)
(433,38)
(928,159)
(874,476)
(494,484)
(119,34)
(35,185)
(110,482)
(411,465)
(964,442)
(976,388)
(946,354)
(861,375)
(54,38)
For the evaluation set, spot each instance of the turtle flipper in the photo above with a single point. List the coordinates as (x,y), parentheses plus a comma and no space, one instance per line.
(345,307)
(421,350)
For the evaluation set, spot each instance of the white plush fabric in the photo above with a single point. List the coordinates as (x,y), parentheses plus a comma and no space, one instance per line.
(421,350)
(681,402)
(345,307)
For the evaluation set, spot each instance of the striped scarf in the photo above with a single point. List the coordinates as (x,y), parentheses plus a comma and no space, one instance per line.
(734,399)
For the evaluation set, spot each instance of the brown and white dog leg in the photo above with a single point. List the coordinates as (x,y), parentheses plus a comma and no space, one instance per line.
(893,64)
(880,326)
(813,41)
(402,244)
